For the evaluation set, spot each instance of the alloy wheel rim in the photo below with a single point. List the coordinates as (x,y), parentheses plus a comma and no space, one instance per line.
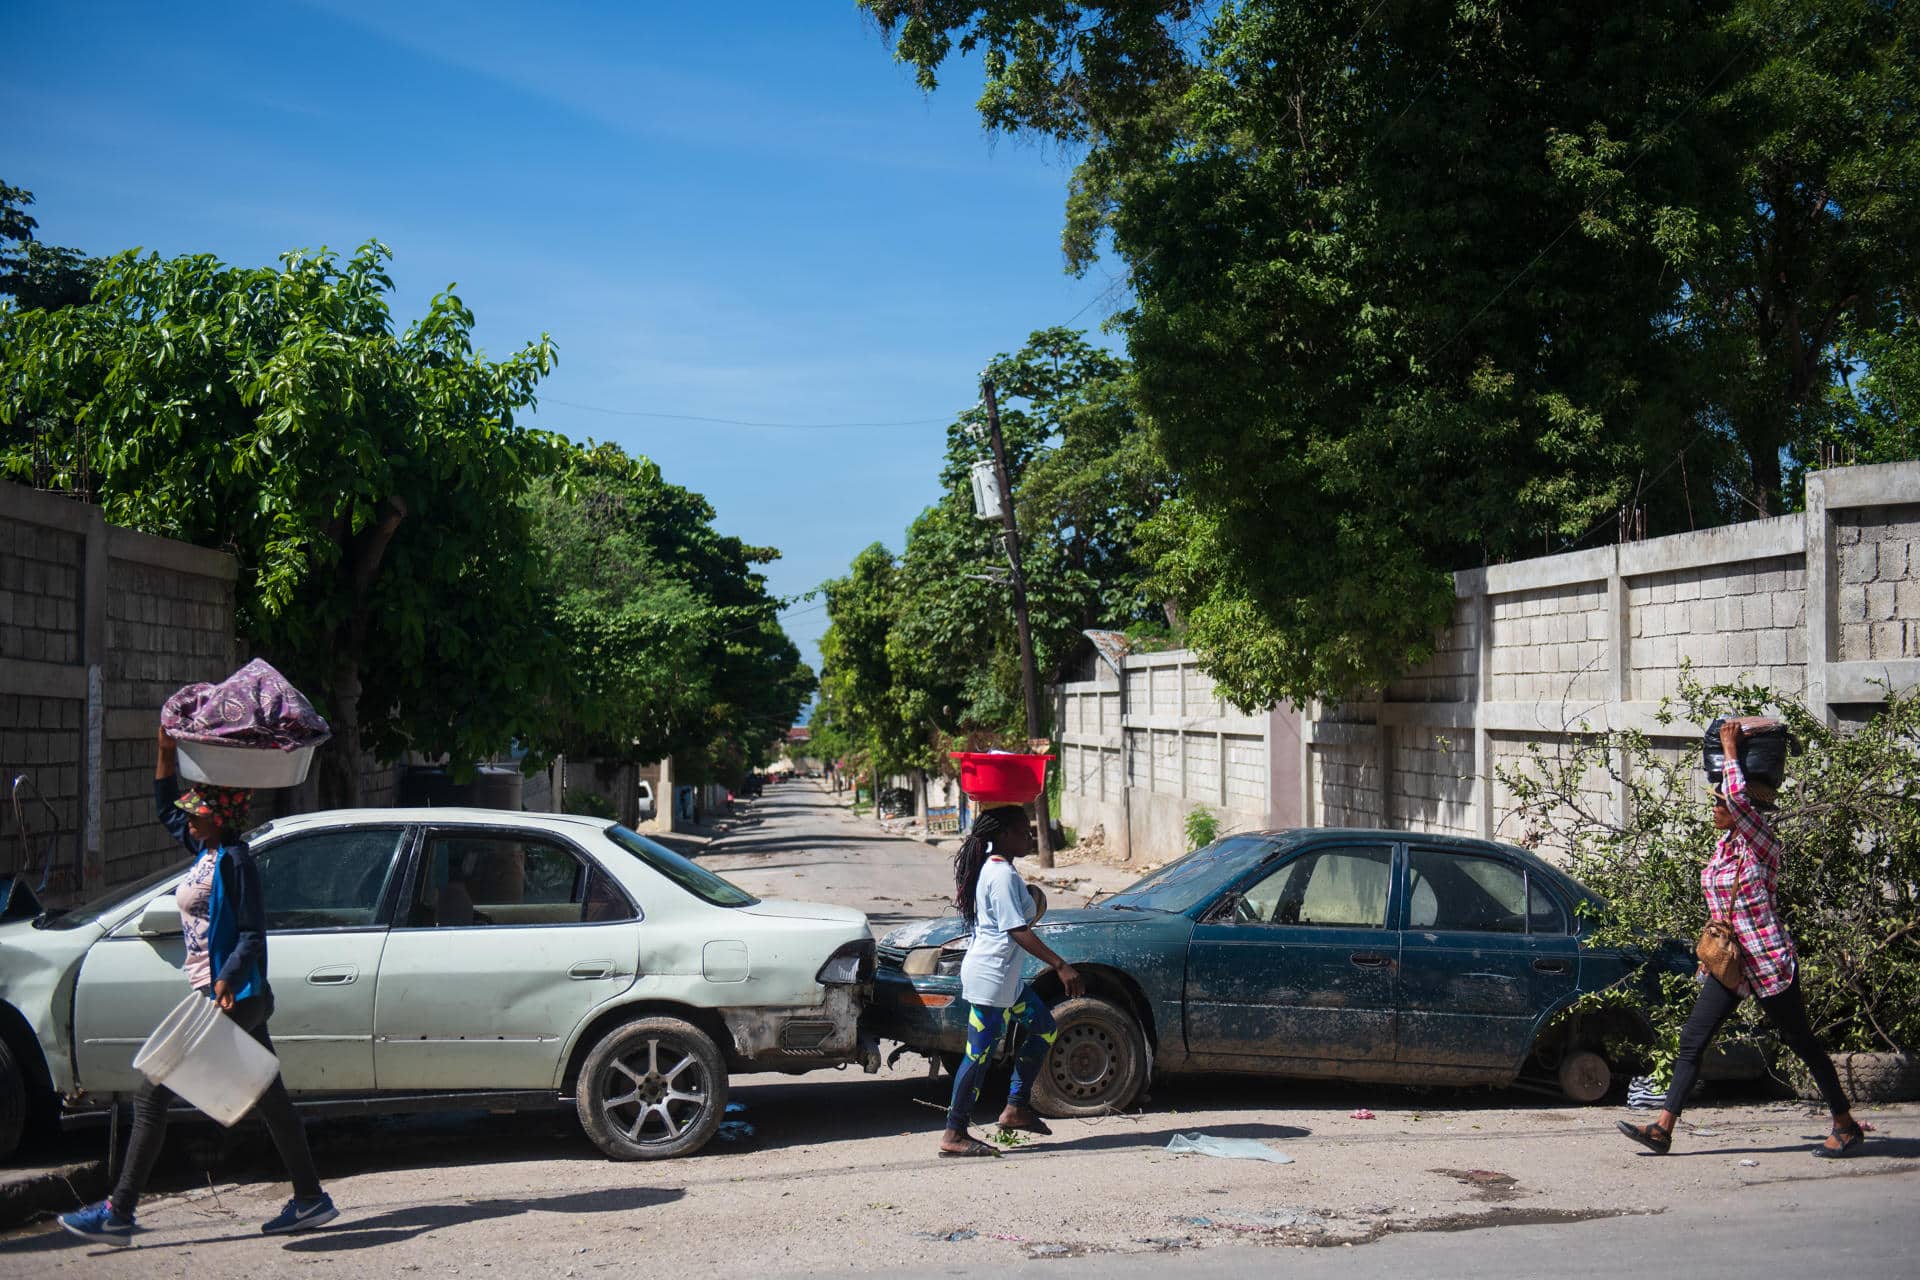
(667,1091)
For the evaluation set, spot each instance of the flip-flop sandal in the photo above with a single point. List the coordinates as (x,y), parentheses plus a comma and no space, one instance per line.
(1849,1143)
(974,1148)
(1651,1136)
(1036,1125)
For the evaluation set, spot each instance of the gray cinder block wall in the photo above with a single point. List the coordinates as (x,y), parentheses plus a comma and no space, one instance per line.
(98,625)
(1824,605)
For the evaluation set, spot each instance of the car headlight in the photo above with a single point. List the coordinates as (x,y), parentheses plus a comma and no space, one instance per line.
(851,963)
(927,962)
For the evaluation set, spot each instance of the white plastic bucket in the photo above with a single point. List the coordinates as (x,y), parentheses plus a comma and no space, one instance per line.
(204,1056)
(244,766)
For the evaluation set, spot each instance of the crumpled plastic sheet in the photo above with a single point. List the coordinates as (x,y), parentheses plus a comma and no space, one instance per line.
(1205,1144)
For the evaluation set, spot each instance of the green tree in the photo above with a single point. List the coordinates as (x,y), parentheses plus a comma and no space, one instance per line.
(36,275)
(859,715)
(369,482)
(672,643)
(1424,287)
(1084,476)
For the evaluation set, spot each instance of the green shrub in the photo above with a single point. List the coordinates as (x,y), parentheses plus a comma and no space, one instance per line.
(1849,890)
(1203,827)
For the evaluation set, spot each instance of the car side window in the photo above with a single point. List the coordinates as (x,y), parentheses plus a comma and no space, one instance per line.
(1544,912)
(1344,886)
(490,879)
(329,879)
(1461,893)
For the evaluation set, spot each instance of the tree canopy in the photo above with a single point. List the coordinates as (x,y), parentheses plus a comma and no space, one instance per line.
(441,578)
(367,480)
(921,649)
(673,644)
(1425,287)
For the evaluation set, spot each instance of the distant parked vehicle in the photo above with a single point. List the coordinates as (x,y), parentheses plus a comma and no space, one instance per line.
(1356,955)
(643,790)
(432,958)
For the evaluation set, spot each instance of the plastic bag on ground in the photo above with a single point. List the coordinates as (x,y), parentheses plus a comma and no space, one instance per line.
(1205,1144)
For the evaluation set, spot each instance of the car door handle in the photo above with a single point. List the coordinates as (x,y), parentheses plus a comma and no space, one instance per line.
(338,976)
(1551,966)
(588,970)
(1370,959)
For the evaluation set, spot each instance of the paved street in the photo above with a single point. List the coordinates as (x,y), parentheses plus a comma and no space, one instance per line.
(840,1173)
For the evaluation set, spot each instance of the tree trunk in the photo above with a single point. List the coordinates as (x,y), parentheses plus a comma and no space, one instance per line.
(340,758)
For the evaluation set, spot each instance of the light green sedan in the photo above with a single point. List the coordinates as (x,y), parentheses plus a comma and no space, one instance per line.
(427,958)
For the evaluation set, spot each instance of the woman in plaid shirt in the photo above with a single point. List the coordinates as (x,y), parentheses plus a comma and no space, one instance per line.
(1739,882)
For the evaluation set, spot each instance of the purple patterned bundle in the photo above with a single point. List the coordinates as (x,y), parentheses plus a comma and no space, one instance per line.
(253,707)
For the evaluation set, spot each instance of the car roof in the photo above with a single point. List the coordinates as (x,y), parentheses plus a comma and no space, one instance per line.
(439,816)
(1430,839)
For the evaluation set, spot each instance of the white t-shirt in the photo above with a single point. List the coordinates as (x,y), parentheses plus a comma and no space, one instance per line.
(990,974)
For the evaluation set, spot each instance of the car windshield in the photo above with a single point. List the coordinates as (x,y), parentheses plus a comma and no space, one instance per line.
(696,880)
(88,912)
(1183,885)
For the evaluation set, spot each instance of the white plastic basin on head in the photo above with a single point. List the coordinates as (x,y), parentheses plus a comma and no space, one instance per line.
(244,766)
(204,1056)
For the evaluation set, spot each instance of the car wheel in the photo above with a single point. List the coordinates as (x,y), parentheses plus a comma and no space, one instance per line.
(1585,1076)
(1098,1062)
(652,1089)
(13,1102)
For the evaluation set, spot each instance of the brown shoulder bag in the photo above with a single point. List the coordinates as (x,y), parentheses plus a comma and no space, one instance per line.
(1719,946)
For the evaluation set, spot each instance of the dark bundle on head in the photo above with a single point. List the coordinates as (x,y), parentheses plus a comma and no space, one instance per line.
(982,839)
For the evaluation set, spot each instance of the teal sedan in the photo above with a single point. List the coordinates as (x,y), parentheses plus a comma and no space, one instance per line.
(1345,954)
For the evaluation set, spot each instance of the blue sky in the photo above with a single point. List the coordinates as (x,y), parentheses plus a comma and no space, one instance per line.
(743,211)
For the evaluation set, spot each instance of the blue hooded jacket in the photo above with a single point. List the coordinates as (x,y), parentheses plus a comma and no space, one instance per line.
(236,909)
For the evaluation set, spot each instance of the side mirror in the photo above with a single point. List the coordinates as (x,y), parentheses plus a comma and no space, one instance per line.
(161,918)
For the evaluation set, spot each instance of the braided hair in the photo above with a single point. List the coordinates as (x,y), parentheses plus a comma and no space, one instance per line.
(974,852)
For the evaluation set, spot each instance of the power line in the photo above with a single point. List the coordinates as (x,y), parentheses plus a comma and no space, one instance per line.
(742,422)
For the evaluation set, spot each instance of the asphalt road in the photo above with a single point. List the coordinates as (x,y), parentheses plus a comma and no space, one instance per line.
(839,1172)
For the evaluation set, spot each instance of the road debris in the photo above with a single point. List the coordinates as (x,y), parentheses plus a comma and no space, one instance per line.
(1205,1144)
(1361,1113)
(947,1237)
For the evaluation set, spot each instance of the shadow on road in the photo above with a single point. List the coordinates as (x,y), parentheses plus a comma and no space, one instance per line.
(404,1224)
(390,1227)
(1874,1148)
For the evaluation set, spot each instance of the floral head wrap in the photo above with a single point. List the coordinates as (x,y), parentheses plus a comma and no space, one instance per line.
(226,805)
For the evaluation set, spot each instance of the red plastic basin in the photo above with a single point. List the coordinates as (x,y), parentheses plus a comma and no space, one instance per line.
(995,778)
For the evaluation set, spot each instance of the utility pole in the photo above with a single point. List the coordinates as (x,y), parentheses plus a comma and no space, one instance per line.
(1029,677)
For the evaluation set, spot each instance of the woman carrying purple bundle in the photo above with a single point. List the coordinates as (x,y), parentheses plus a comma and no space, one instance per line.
(223,918)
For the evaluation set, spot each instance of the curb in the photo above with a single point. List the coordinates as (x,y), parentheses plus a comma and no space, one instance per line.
(27,1193)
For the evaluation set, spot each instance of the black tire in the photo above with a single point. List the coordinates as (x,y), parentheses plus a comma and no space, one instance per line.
(652,1089)
(1098,1063)
(15,1093)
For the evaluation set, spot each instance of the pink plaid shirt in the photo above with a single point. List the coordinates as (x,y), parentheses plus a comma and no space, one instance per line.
(1739,881)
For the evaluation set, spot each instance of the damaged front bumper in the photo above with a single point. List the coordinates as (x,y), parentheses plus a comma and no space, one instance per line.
(926,1014)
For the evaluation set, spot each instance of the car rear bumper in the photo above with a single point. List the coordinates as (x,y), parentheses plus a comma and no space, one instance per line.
(799,1036)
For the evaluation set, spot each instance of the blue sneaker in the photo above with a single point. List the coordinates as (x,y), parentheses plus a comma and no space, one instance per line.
(100,1224)
(302,1215)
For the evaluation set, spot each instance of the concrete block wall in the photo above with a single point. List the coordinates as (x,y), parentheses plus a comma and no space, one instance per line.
(1823,605)
(97,626)
(1149,740)
(39,591)
(1879,589)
